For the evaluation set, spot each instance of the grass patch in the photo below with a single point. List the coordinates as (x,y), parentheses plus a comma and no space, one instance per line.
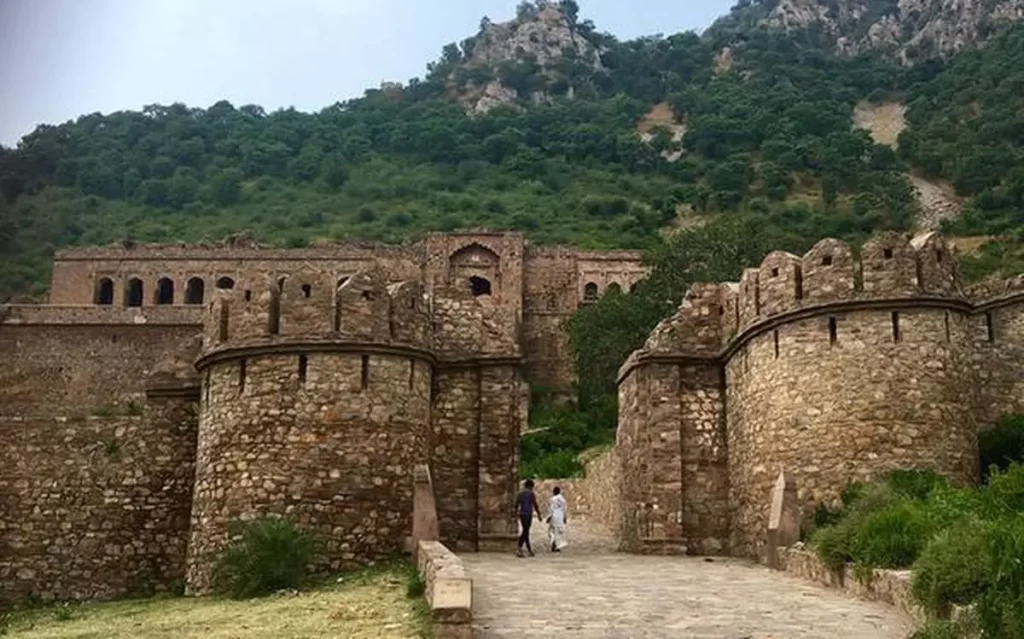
(370,604)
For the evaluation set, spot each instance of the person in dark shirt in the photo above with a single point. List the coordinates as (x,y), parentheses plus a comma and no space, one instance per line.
(527,504)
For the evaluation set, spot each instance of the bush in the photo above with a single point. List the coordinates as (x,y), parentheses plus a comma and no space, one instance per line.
(954,568)
(1001,608)
(836,544)
(916,484)
(1002,445)
(264,556)
(952,506)
(893,537)
(560,464)
(1004,494)
(964,628)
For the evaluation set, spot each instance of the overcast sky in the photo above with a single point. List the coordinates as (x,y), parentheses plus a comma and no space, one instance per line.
(64,58)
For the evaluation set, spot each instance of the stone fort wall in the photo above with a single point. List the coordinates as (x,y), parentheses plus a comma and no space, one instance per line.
(542,286)
(95,476)
(321,382)
(830,368)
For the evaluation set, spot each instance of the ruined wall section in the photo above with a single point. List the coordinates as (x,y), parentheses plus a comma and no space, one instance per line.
(837,369)
(557,281)
(549,300)
(73,361)
(300,419)
(77,273)
(671,440)
(451,259)
(604,270)
(95,506)
(593,497)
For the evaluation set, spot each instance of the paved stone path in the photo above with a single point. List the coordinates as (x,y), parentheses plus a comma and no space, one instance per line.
(590,592)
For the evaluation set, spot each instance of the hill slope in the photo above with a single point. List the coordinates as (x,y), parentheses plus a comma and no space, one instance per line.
(769,136)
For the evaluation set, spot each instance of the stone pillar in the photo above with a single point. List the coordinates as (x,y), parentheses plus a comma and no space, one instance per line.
(453,455)
(498,470)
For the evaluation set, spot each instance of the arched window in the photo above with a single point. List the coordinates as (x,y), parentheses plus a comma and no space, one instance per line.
(613,288)
(104,294)
(590,292)
(226,283)
(164,291)
(479,286)
(133,292)
(194,291)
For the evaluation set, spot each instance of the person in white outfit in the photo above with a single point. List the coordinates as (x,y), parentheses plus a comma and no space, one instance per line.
(557,521)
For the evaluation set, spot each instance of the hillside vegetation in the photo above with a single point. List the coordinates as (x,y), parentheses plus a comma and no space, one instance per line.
(505,133)
(772,137)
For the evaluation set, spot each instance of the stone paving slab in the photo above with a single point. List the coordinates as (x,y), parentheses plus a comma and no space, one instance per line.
(596,594)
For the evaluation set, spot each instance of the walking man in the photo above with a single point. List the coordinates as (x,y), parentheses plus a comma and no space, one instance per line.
(527,503)
(557,521)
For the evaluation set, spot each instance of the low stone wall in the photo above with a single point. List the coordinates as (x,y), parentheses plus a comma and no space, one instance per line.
(594,496)
(449,590)
(889,586)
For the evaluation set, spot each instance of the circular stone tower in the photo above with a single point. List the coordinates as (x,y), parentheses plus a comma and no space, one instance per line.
(315,404)
(845,370)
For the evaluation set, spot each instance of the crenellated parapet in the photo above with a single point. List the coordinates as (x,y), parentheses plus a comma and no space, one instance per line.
(312,308)
(831,275)
(889,266)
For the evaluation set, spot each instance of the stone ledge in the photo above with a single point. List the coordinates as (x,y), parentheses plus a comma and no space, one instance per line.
(449,590)
(888,586)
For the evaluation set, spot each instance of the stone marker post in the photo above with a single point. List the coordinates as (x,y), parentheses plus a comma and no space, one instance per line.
(784,519)
(424,510)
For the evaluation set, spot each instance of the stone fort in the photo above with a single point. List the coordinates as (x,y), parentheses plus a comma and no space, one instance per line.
(166,391)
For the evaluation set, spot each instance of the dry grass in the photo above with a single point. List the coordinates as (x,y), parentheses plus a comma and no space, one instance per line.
(970,244)
(370,605)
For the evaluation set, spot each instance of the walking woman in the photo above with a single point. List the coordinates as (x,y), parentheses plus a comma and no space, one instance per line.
(557,521)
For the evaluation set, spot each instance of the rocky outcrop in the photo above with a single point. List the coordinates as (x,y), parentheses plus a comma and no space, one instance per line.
(542,36)
(909,29)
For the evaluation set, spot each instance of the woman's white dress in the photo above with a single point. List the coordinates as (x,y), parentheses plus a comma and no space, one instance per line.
(556,523)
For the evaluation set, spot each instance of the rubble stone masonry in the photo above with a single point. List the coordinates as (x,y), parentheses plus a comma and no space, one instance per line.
(827,367)
(168,391)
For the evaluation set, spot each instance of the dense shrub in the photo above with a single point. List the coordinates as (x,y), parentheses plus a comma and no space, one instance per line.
(963,628)
(954,568)
(966,546)
(1001,608)
(892,537)
(264,556)
(837,544)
